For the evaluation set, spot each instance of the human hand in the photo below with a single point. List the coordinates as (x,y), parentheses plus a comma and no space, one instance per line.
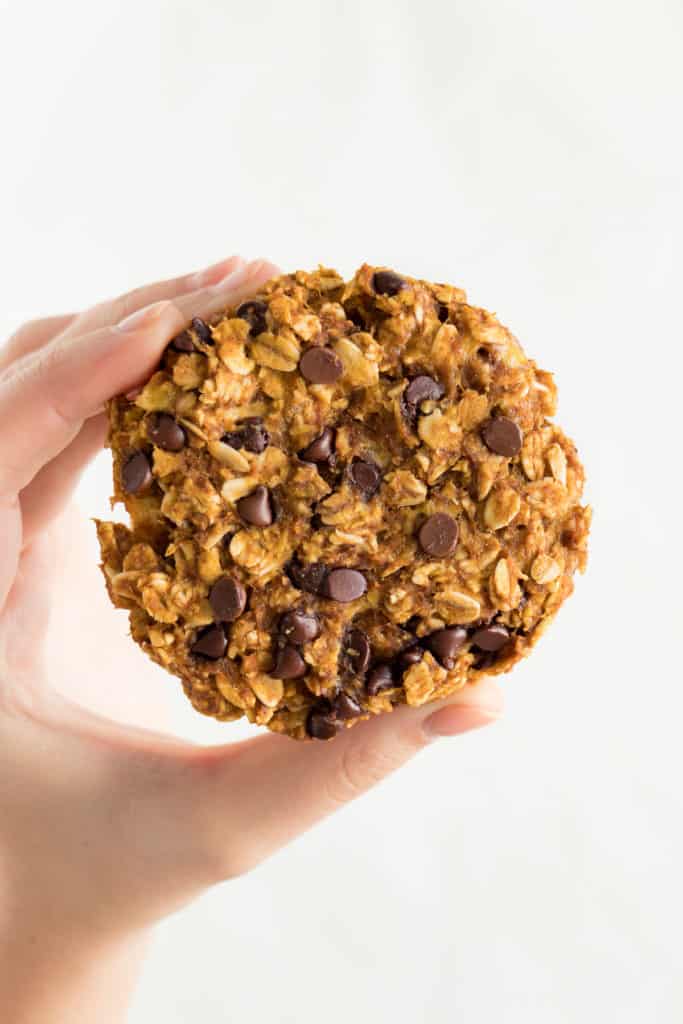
(106,828)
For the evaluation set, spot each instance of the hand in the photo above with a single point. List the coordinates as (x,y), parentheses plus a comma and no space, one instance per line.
(105,828)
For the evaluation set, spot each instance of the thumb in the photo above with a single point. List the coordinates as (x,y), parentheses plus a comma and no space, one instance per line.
(260,794)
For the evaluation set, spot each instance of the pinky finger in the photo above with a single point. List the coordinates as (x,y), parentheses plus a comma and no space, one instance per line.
(48,493)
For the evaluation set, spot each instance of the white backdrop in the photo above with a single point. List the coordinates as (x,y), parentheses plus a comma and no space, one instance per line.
(529,151)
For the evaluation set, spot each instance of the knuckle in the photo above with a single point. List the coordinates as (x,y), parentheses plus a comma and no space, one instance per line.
(124,305)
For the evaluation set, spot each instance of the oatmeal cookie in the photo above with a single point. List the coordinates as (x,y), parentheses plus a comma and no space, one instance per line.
(342,497)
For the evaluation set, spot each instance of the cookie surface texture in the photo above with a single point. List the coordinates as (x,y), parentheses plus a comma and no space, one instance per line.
(342,497)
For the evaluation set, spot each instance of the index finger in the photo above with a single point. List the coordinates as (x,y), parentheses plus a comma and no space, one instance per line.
(112,311)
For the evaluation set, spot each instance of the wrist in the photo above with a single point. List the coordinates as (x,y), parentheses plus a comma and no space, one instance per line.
(54,974)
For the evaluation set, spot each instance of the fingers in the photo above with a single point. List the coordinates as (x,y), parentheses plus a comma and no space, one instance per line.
(44,403)
(113,311)
(31,336)
(263,793)
(194,288)
(36,333)
(232,290)
(51,489)
(10,531)
(25,609)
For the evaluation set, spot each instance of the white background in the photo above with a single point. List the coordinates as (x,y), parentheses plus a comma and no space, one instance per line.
(529,151)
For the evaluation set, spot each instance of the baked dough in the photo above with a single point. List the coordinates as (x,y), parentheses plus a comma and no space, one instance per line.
(342,497)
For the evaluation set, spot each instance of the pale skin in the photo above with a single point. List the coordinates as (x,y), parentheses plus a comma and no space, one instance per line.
(105,827)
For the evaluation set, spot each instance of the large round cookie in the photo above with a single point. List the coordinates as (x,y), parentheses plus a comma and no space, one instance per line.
(342,497)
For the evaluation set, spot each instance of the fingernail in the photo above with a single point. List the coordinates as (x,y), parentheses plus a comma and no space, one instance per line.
(217,272)
(144,317)
(454,720)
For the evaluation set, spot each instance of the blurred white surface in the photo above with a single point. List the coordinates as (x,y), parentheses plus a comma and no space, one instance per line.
(530,152)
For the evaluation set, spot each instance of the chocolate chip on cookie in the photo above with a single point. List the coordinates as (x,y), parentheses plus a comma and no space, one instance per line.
(320,365)
(228,599)
(202,330)
(254,312)
(445,644)
(491,638)
(136,474)
(343,496)
(357,651)
(182,343)
(256,509)
(365,476)
(423,389)
(323,723)
(299,627)
(320,449)
(344,585)
(438,535)
(165,432)
(502,436)
(289,664)
(380,678)
(309,577)
(406,659)
(345,707)
(211,643)
(252,436)
(386,282)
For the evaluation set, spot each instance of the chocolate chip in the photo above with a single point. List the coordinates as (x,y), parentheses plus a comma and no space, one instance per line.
(438,535)
(256,437)
(345,707)
(136,474)
(182,343)
(445,644)
(365,476)
(380,678)
(386,282)
(356,318)
(423,389)
(322,723)
(228,599)
(211,643)
(254,312)
(320,365)
(202,330)
(405,659)
(253,437)
(502,436)
(484,661)
(256,508)
(357,651)
(321,448)
(308,577)
(491,638)
(299,627)
(344,585)
(442,312)
(289,664)
(165,432)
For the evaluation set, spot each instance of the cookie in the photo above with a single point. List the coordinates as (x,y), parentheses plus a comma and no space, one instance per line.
(342,497)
